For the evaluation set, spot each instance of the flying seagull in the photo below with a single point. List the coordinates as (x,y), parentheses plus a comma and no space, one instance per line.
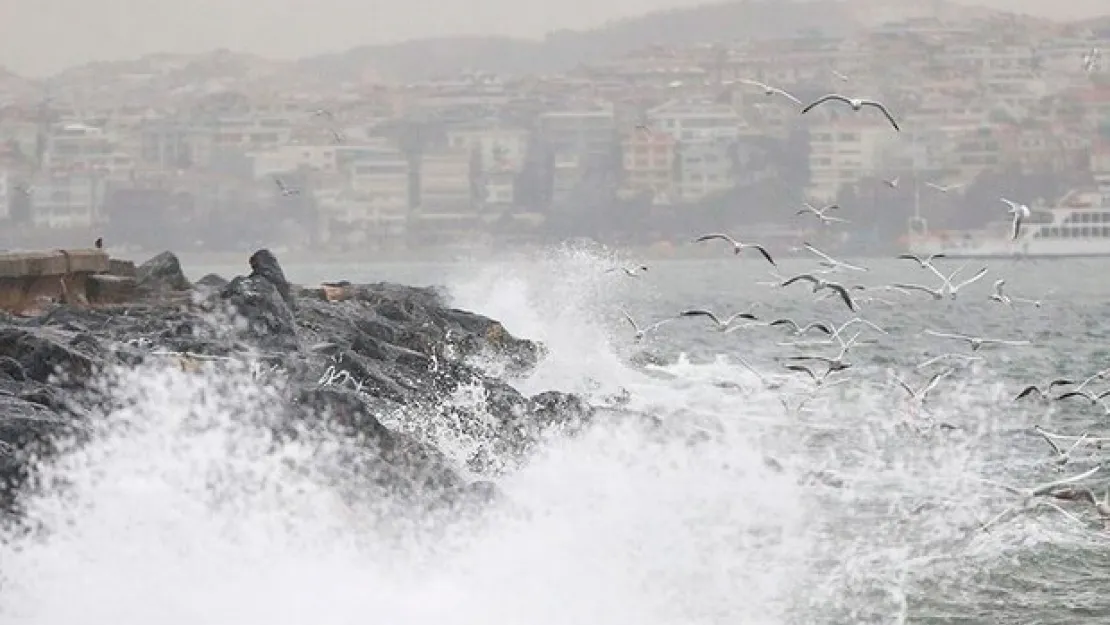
(631,272)
(918,396)
(943,188)
(768,90)
(820,213)
(1020,212)
(286,190)
(830,262)
(820,284)
(857,104)
(721,325)
(641,332)
(737,246)
(946,287)
(976,342)
(923,262)
(1060,457)
(998,295)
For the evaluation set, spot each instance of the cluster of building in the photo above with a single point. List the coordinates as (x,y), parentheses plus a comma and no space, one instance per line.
(660,129)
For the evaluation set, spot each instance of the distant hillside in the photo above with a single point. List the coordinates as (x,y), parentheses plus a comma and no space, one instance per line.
(563,50)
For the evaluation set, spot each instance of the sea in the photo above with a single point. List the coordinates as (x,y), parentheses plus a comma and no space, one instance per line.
(742,493)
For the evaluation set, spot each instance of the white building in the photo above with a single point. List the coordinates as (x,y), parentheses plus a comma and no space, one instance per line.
(695,120)
(843,151)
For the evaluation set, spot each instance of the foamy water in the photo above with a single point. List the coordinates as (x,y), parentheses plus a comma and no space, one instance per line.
(184,510)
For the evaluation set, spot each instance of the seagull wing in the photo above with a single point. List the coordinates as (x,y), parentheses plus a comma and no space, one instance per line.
(740,315)
(631,321)
(905,387)
(1044,488)
(912,257)
(805,276)
(818,252)
(843,292)
(1013,205)
(805,369)
(933,381)
(1016,230)
(817,326)
(949,335)
(886,113)
(1027,391)
(701,313)
(785,322)
(1071,394)
(825,98)
(982,272)
(916,287)
(765,254)
(788,96)
(715,235)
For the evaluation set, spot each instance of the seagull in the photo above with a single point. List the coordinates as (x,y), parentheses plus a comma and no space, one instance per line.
(820,213)
(892,182)
(1040,490)
(998,295)
(943,188)
(737,246)
(286,191)
(26,190)
(1020,212)
(1090,59)
(721,325)
(946,288)
(975,342)
(800,330)
(641,332)
(820,284)
(1061,457)
(830,262)
(323,113)
(841,76)
(1033,389)
(631,272)
(925,263)
(336,137)
(99,243)
(644,128)
(918,396)
(857,104)
(768,90)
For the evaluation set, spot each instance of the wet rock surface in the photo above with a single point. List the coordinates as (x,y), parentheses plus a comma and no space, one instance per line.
(357,359)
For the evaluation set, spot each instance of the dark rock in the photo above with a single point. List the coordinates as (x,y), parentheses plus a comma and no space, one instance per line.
(161,274)
(265,265)
(212,281)
(360,366)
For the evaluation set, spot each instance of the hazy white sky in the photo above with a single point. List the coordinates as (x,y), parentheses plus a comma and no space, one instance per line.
(42,36)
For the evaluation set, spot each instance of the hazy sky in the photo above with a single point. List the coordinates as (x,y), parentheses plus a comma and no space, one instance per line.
(42,36)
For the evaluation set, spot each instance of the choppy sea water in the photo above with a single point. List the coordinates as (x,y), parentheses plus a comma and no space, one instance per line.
(770,501)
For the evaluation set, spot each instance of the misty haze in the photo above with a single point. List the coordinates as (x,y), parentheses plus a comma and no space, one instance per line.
(765,312)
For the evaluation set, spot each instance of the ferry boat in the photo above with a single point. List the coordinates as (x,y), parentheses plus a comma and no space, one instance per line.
(1078,226)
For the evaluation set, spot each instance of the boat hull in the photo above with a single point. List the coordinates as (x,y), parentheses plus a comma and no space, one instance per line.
(994,248)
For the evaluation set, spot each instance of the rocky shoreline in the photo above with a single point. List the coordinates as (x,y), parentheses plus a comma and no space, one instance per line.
(341,354)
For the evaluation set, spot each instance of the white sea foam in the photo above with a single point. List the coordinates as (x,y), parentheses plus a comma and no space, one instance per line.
(183,509)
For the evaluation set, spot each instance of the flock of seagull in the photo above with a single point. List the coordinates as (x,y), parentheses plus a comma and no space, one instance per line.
(825,371)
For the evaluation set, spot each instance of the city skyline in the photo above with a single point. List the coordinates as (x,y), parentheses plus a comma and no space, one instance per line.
(121,29)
